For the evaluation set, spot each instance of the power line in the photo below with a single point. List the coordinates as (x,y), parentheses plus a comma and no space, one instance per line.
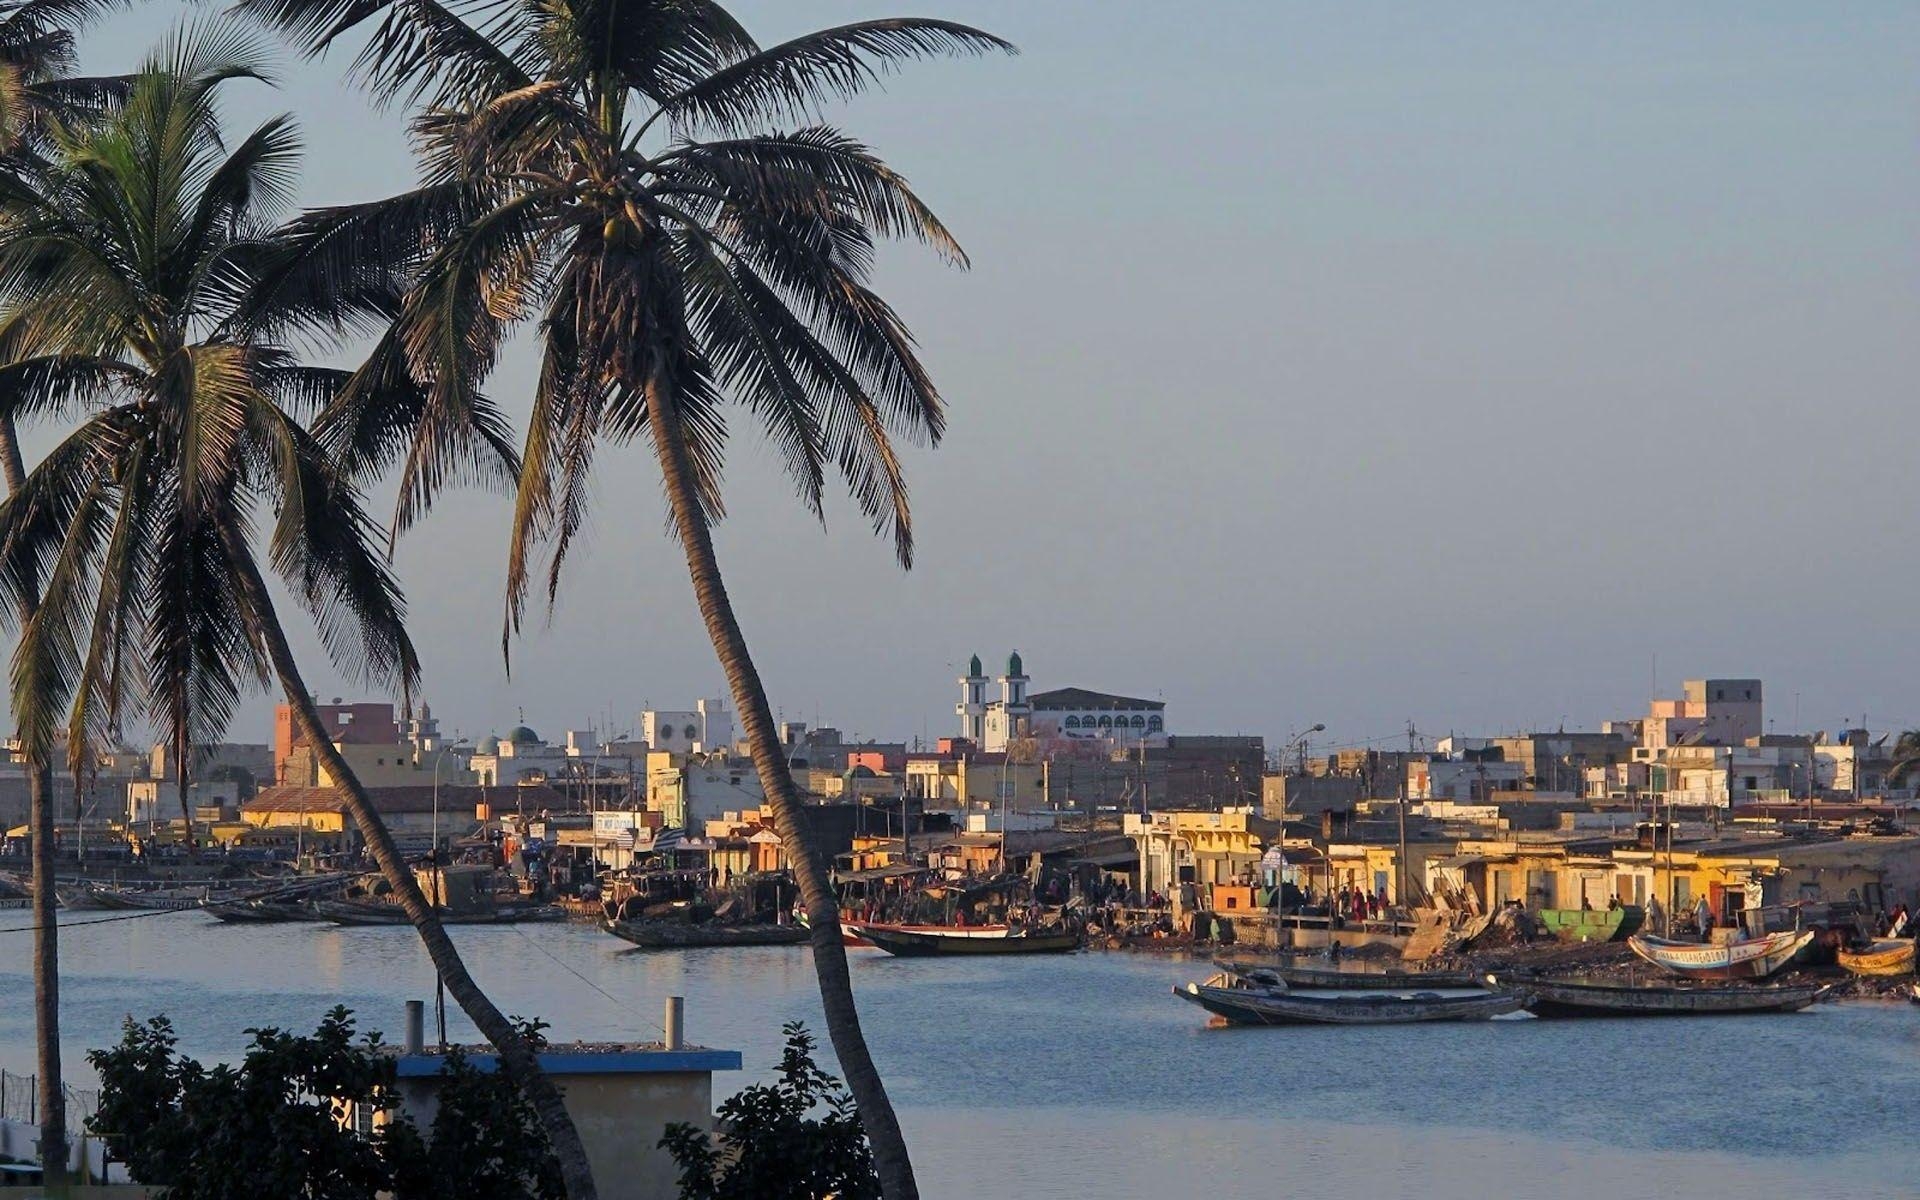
(625,1008)
(159,912)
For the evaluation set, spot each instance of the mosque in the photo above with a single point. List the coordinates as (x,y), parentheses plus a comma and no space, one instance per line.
(1075,713)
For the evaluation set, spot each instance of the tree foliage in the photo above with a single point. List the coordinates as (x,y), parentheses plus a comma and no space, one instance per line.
(271,1126)
(797,1138)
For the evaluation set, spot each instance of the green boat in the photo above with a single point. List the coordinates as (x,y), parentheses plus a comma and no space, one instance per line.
(1593,924)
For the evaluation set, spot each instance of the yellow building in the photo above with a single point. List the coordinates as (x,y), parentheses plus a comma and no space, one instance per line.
(1878,872)
(959,781)
(1198,847)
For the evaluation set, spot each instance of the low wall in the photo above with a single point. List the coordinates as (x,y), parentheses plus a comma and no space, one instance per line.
(21,1141)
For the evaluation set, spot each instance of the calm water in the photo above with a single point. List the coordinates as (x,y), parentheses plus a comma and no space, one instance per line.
(1083,1076)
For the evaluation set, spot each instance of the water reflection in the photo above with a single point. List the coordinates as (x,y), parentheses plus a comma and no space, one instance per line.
(1083,1076)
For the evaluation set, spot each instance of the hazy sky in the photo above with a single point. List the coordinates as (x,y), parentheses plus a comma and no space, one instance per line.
(1320,362)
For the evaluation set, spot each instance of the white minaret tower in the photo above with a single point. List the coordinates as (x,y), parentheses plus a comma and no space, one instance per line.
(972,708)
(1013,696)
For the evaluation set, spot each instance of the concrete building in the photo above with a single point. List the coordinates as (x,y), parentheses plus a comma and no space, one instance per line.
(621,1099)
(1556,762)
(703,729)
(1461,779)
(522,756)
(1201,848)
(1308,795)
(691,789)
(367,723)
(1717,712)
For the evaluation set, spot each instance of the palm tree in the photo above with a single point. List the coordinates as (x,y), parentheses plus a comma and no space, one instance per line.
(131,263)
(1905,755)
(604,166)
(37,89)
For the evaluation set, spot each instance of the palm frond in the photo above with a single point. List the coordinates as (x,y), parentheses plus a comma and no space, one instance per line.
(791,80)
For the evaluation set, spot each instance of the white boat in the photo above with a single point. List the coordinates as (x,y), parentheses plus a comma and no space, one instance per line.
(1755,959)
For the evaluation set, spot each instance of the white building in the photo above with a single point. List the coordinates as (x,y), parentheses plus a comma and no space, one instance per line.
(520,757)
(1064,713)
(688,791)
(707,727)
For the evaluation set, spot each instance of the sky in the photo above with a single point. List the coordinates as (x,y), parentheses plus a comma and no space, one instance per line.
(1484,367)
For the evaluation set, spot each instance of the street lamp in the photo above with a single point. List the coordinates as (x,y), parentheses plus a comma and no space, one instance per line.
(1298,743)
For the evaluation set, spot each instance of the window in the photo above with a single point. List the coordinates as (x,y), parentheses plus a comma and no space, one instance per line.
(1106,722)
(1073,722)
(1139,722)
(666,733)
(1154,724)
(692,733)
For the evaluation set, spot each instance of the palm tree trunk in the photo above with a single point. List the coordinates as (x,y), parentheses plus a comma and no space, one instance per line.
(46,928)
(756,716)
(515,1052)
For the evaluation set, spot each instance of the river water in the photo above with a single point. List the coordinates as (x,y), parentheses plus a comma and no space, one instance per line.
(1082,1076)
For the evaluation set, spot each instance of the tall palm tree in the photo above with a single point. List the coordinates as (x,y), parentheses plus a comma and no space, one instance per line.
(37,89)
(605,167)
(131,262)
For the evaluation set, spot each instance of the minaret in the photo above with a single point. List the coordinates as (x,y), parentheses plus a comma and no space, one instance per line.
(1013,696)
(972,708)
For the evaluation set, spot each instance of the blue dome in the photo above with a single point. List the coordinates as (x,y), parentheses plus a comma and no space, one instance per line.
(488,745)
(1013,665)
(520,735)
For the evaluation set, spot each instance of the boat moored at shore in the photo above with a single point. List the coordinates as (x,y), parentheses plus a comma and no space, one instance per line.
(1239,1001)
(1754,959)
(1888,956)
(1583,998)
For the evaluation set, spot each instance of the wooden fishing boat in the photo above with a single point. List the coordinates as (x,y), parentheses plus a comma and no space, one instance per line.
(150,899)
(662,935)
(78,895)
(1755,959)
(1888,956)
(854,933)
(258,911)
(852,938)
(1578,998)
(1335,979)
(1238,1004)
(351,913)
(944,941)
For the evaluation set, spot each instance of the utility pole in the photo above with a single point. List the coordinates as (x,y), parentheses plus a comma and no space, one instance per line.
(1400,859)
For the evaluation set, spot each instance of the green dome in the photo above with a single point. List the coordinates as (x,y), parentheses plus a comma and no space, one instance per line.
(489,745)
(973,667)
(520,735)
(1013,665)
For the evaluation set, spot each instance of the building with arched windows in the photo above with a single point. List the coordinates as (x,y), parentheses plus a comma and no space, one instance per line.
(1072,713)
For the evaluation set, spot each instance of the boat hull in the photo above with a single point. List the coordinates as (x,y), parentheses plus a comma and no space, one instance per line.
(351,914)
(945,943)
(853,933)
(1549,998)
(1754,959)
(1334,979)
(1890,956)
(1238,1006)
(668,935)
